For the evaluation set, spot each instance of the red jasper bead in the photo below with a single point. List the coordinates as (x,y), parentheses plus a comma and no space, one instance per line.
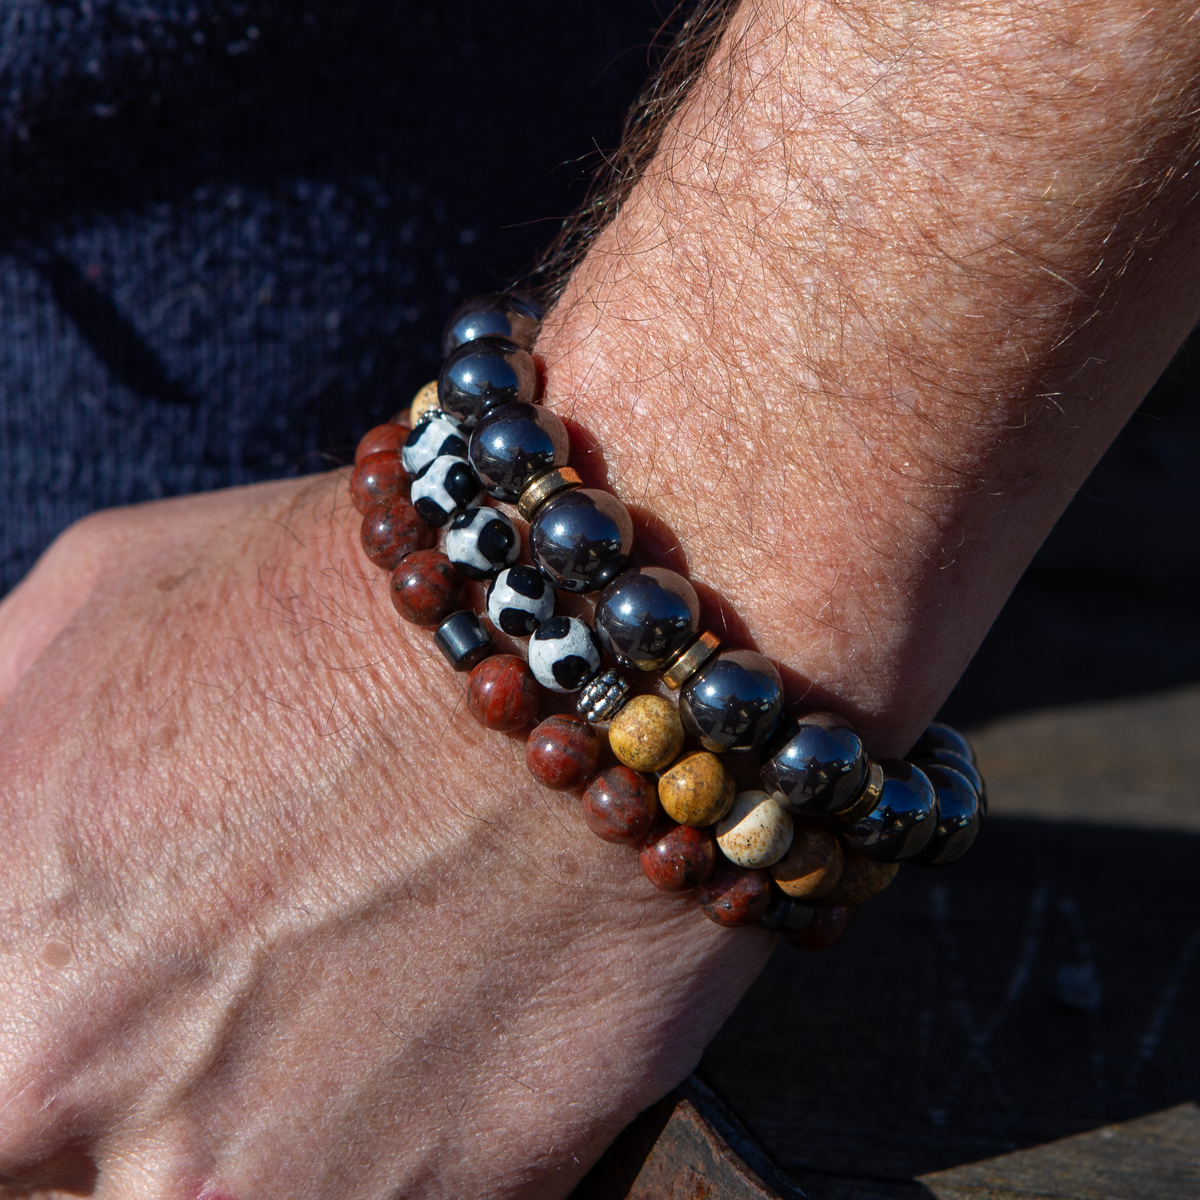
(621,805)
(677,858)
(735,896)
(383,438)
(426,588)
(377,478)
(502,693)
(563,753)
(391,530)
(824,930)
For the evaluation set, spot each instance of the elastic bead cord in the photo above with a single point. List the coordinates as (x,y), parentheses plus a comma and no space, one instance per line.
(829,825)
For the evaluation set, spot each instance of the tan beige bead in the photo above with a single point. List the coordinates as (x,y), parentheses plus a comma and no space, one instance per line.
(696,790)
(757,832)
(647,733)
(861,879)
(424,401)
(812,865)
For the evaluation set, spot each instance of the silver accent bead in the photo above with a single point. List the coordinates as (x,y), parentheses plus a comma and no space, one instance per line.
(604,697)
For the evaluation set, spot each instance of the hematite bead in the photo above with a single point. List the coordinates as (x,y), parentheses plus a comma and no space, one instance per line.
(563,654)
(481,542)
(515,442)
(382,438)
(502,314)
(678,858)
(903,821)
(620,806)
(519,600)
(785,915)
(463,640)
(827,927)
(960,814)
(939,736)
(438,434)
(817,762)
(602,697)
(733,702)
(581,539)
(956,762)
(426,589)
(502,693)
(481,375)
(390,531)
(563,753)
(445,488)
(646,616)
(377,478)
(734,896)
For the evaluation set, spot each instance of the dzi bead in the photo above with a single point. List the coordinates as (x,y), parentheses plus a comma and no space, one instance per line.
(646,734)
(581,539)
(960,812)
(646,616)
(678,858)
(697,790)
(812,865)
(756,832)
(463,641)
(484,374)
(733,702)
(816,762)
(481,542)
(904,820)
(438,434)
(502,314)
(426,589)
(443,489)
(515,442)
(601,698)
(563,753)
(620,806)
(381,440)
(377,478)
(502,693)
(563,654)
(519,600)
(734,896)
(390,531)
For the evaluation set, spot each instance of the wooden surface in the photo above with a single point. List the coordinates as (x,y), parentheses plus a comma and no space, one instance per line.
(1024,1024)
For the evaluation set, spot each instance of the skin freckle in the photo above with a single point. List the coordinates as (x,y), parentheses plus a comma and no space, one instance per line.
(56,954)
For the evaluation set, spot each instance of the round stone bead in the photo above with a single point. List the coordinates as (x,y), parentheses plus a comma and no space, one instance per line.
(620,806)
(956,762)
(785,915)
(563,654)
(602,697)
(502,693)
(646,734)
(463,641)
(581,539)
(438,434)
(861,879)
(495,315)
(383,439)
(960,813)
(519,600)
(697,790)
(812,864)
(423,403)
(733,702)
(678,858)
(445,488)
(426,589)
(816,762)
(939,736)
(515,442)
(734,896)
(903,821)
(563,753)
(481,542)
(827,927)
(646,616)
(390,531)
(377,478)
(484,374)
(755,832)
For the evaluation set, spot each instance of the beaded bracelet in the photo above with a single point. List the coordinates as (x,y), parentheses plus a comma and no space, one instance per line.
(829,826)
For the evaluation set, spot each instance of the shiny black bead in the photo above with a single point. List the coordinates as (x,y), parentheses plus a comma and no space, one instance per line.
(463,640)
(581,539)
(939,736)
(817,762)
(956,762)
(733,702)
(960,814)
(484,374)
(513,443)
(903,822)
(785,915)
(645,616)
(498,315)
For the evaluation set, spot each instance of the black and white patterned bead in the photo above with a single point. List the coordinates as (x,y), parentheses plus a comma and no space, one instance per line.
(443,489)
(436,435)
(519,601)
(481,542)
(563,654)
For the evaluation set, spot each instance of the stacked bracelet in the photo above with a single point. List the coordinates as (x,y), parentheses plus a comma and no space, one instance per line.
(829,826)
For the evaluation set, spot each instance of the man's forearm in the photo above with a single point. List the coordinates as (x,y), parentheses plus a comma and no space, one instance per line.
(893,281)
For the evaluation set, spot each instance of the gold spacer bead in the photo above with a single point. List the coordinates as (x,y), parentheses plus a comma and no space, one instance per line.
(866,799)
(689,660)
(541,487)
(426,400)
